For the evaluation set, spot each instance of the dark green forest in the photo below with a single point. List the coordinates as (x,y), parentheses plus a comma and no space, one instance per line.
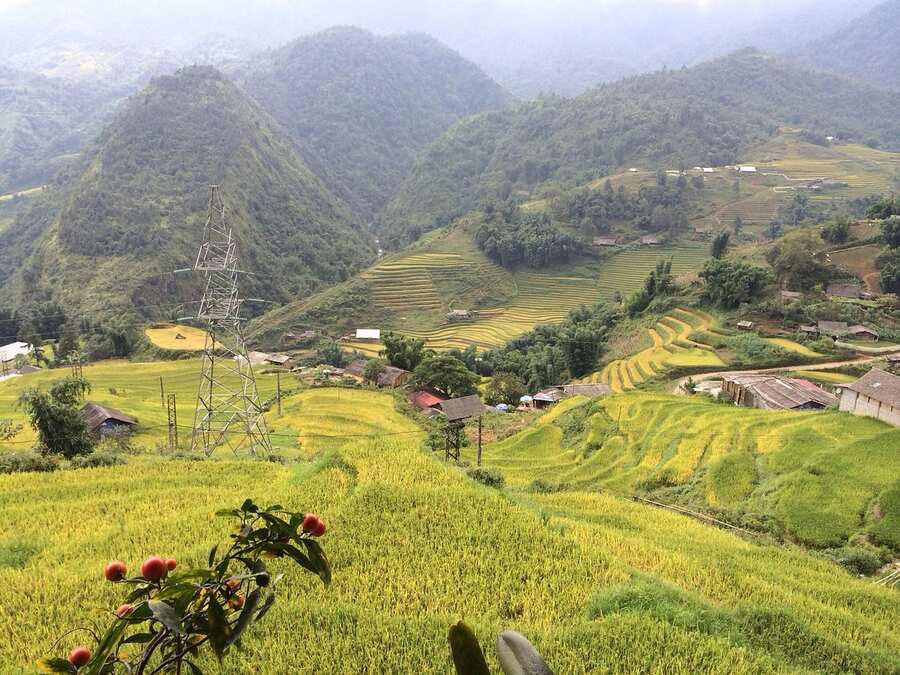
(134,210)
(361,107)
(704,115)
(512,238)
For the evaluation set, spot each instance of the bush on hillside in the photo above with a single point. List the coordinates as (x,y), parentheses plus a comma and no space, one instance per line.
(21,462)
(96,459)
(490,477)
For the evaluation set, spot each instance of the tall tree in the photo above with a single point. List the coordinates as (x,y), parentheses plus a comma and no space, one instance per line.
(403,351)
(720,244)
(55,417)
(447,374)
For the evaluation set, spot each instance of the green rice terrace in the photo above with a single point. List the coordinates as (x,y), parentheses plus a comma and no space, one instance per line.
(815,478)
(430,284)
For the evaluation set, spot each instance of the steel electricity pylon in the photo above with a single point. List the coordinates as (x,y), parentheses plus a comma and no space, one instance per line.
(228,411)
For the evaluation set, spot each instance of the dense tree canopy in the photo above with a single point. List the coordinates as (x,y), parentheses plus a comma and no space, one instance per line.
(447,374)
(56,419)
(730,283)
(403,351)
(512,238)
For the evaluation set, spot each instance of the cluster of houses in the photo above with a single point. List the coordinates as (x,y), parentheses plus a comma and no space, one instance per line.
(840,330)
(611,242)
(876,394)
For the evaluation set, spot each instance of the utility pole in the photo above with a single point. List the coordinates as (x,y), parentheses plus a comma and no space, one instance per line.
(228,410)
(278,391)
(162,393)
(478,454)
(172,413)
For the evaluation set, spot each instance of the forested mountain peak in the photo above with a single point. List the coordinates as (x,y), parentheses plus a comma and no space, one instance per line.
(866,49)
(361,106)
(135,207)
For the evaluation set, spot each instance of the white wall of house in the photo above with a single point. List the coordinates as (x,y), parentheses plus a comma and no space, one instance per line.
(863,406)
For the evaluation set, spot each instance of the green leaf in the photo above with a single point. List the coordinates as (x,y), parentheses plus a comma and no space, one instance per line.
(218,628)
(249,507)
(194,669)
(212,555)
(228,512)
(55,665)
(467,655)
(518,656)
(166,615)
(266,606)
(245,618)
(138,638)
(318,559)
(106,647)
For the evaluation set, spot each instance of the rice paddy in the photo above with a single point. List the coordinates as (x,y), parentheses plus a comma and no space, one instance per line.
(671,347)
(793,347)
(815,473)
(176,337)
(596,582)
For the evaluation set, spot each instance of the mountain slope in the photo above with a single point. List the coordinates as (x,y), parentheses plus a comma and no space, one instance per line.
(136,209)
(705,115)
(361,107)
(866,49)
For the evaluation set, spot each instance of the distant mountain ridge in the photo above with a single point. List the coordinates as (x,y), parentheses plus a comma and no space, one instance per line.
(133,210)
(703,115)
(867,49)
(361,107)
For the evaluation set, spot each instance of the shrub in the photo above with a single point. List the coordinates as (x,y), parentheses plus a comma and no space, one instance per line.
(542,486)
(490,477)
(96,459)
(856,559)
(19,462)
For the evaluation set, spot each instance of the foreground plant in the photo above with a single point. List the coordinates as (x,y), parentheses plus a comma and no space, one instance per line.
(170,616)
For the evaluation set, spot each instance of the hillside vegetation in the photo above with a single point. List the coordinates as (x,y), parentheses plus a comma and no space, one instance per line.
(865,49)
(811,477)
(134,211)
(361,107)
(627,588)
(706,115)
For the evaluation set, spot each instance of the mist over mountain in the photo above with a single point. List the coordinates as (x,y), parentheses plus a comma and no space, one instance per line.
(866,49)
(361,107)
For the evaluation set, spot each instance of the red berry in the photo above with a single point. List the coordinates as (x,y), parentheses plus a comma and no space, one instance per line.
(309,522)
(153,568)
(320,529)
(171,564)
(233,583)
(124,610)
(115,570)
(236,602)
(79,656)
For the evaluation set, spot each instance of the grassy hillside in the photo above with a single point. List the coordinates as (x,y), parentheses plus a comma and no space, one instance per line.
(813,477)
(627,588)
(865,49)
(361,107)
(708,115)
(134,210)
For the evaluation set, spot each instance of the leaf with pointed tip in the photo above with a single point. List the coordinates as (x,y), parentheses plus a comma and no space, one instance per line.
(245,618)
(166,615)
(467,655)
(218,627)
(55,665)
(518,656)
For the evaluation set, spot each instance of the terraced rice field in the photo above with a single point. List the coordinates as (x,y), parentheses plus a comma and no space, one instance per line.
(166,337)
(671,347)
(598,583)
(792,346)
(816,473)
(626,271)
(540,299)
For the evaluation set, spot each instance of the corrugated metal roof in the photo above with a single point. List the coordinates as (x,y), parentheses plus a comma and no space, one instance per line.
(424,399)
(368,333)
(782,393)
(463,408)
(879,385)
(95,414)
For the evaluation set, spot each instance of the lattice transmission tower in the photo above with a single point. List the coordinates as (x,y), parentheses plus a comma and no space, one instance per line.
(228,411)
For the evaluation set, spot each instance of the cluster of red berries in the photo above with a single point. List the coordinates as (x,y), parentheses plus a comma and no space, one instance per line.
(313,525)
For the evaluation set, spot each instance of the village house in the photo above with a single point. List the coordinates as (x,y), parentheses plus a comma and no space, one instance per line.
(8,353)
(876,394)
(459,409)
(552,395)
(863,333)
(747,169)
(282,360)
(745,325)
(102,420)
(848,291)
(367,334)
(791,295)
(390,378)
(774,392)
(459,314)
(603,242)
(426,400)
(651,240)
(833,329)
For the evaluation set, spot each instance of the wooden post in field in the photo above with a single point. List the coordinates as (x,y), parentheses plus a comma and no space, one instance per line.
(172,413)
(478,455)
(162,393)
(278,391)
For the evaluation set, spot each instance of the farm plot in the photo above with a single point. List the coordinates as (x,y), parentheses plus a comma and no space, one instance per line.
(860,260)
(671,347)
(626,271)
(176,337)
(816,473)
(398,519)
